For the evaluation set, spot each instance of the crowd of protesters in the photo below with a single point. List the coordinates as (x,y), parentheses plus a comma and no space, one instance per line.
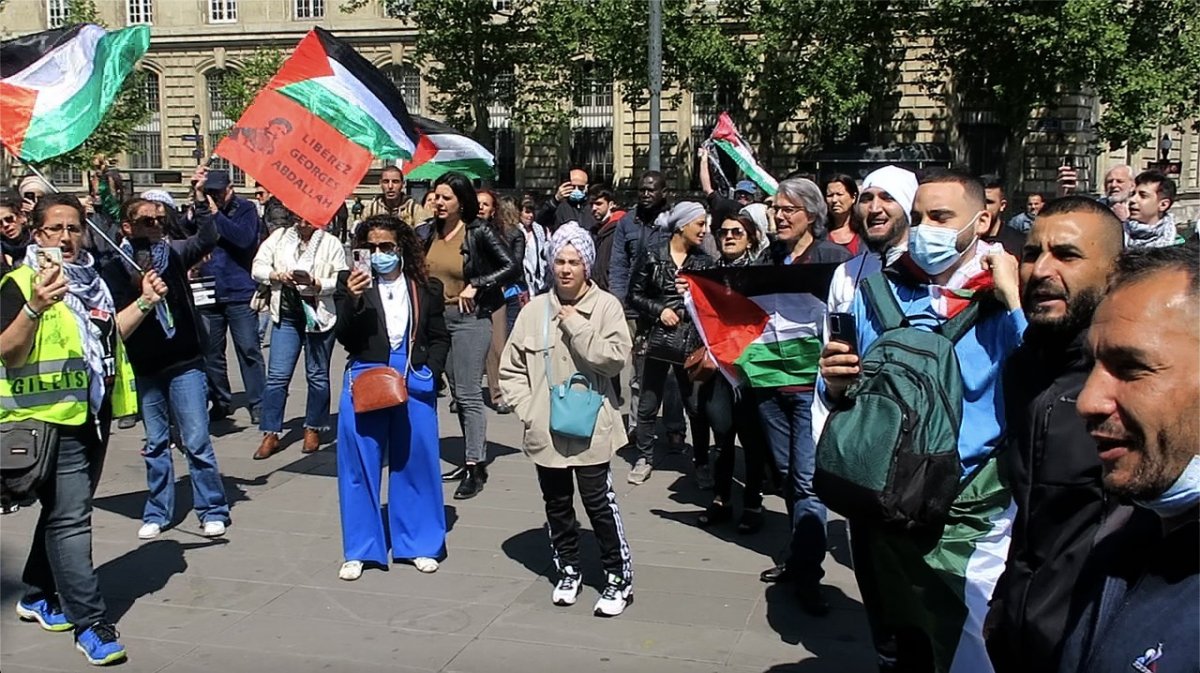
(1070,544)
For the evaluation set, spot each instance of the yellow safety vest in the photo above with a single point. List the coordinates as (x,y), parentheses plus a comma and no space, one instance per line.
(52,385)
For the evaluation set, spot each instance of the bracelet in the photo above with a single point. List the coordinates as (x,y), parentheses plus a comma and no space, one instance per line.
(30,313)
(143,305)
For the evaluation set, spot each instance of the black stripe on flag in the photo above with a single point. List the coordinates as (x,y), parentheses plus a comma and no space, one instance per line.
(375,82)
(750,281)
(19,53)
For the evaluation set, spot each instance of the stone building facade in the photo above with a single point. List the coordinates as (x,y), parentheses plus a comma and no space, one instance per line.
(195,42)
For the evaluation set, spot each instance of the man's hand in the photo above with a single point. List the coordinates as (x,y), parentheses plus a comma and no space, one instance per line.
(668,317)
(154,290)
(27,206)
(564,191)
(1068,180)
(51,287)
(839,366)
(357,283)
(466,299)
(1121,210)
(284,277)
(198,178)
(1004,272)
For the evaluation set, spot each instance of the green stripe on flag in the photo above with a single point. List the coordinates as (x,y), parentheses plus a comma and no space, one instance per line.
(476,169)
(350,120)
(781,363)
(64,128)
(749,166)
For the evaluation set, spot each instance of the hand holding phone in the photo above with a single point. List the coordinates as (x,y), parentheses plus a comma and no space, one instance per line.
(301,277)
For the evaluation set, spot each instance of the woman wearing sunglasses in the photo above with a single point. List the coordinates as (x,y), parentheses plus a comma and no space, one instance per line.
(391,317)
(300,263)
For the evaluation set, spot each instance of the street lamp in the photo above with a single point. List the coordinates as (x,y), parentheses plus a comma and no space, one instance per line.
(198,153)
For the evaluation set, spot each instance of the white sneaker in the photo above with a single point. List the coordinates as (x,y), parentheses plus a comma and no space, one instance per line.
(615,597)
(214,528)
(425,564)
(568,587)
(149,531)
(350,571)
(640,472)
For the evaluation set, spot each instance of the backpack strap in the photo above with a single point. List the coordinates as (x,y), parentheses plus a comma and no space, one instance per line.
(954,328)
(882,302)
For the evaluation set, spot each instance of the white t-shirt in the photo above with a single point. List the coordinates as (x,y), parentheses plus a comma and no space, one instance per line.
(396,308)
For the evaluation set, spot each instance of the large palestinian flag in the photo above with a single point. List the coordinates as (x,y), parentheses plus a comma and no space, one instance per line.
(762,324)
(55,86)
(441,149)
(726,137)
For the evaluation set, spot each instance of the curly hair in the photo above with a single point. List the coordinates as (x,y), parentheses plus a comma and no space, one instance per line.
(411,250)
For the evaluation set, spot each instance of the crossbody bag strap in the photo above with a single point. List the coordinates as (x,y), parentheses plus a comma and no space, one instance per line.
(414,312)
(546,338)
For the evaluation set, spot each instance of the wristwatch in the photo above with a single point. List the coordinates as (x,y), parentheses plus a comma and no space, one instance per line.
(143,305)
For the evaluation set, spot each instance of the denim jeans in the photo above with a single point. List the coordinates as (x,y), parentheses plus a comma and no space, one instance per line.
(264,323)
(787,422)
(287,338)
(60,558)
(180,397)
(470,338)
(242,323)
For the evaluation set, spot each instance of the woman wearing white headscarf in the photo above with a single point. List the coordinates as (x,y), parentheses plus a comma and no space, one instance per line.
(578,330)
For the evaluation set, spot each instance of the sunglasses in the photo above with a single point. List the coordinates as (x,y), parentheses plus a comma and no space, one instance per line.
(150,221)
(736,232)
(385,247)
(8,219)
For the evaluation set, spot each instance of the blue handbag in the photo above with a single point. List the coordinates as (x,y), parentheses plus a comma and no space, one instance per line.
(573,410)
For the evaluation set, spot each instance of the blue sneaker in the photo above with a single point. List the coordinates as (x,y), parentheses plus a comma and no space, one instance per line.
(44,611)
(99,644)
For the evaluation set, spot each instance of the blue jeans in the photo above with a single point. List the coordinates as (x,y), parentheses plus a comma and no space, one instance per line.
(787,421)
(180,397)
(60,558)
(242,323)
(287,338)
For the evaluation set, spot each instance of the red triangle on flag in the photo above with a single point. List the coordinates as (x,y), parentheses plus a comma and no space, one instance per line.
(730,322)
(309,61)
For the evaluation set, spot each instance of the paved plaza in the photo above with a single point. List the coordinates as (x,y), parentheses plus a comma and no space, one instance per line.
(266,598)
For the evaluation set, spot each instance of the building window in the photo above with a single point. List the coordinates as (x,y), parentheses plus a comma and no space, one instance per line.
(408,81)
(592,126)
(310,9)
(504,139)
(66,178)
(222,11)
(56,13)
(218,123)
(502,5)
(706,108)
(140,11)
(145,152)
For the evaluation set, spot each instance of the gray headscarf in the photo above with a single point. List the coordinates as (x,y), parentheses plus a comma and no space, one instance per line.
(683,213)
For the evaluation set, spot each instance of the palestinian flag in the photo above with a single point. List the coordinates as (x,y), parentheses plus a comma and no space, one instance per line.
(726,137)
(441,149)
(55,86)
(762,324)
(311,134)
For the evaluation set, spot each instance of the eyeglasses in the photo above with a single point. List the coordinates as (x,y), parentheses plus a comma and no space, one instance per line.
(736,232)
(386,247)
(73,229)
(788,210)
(8,219)
(150,221)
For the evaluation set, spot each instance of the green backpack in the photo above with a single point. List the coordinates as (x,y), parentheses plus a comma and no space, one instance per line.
(889,451)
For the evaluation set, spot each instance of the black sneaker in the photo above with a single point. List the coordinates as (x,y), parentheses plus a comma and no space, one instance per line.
(472,484)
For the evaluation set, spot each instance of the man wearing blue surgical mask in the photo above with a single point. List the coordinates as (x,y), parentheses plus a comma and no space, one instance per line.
(933,589)
(569,203)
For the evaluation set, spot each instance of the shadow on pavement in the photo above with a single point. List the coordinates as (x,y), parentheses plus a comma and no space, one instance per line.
(532,550)
(839,641)
(453,450)
(131,505)
(144,571)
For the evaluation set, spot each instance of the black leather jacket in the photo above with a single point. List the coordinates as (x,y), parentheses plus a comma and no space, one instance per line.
(488,263)
(652,285)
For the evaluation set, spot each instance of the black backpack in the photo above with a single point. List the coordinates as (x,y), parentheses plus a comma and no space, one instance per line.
(889,451)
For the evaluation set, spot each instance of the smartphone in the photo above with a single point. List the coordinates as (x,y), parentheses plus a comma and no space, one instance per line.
(50,256)
(1068,161)
(362,262)
(30,196)
(302,277)
(842,328)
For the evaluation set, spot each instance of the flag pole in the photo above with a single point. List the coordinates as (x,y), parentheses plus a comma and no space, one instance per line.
(96,229)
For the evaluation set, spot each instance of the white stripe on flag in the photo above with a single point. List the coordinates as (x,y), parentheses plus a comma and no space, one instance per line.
(454,147)
(793,315)
(347,86)
(984,567)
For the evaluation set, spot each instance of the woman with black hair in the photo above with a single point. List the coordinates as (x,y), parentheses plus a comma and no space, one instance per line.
(474,264)
(391,317)
(841,193)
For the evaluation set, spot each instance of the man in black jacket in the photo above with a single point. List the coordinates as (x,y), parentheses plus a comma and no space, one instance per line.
(569,203)
(1141,404)
(1050,460)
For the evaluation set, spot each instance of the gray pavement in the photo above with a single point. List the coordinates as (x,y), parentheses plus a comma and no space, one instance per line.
(266,598)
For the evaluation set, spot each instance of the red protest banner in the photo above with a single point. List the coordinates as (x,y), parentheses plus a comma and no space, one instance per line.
(309,165)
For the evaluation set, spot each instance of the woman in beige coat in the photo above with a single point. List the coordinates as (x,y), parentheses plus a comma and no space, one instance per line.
(583,328)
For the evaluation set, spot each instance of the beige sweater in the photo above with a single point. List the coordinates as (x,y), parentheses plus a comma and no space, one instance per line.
(595,343)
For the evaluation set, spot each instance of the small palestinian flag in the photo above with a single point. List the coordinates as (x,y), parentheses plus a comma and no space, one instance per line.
(55,86)
(726,137)
(762,324)
(441,149)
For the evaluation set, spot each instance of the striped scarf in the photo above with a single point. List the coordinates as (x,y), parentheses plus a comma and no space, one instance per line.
(161,254)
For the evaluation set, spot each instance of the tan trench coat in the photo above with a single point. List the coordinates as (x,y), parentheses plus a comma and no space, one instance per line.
(595,343)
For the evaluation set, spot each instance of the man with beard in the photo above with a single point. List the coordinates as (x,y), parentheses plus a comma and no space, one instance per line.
(1118,187)
(1050,462)
(1141,404)
(394,200)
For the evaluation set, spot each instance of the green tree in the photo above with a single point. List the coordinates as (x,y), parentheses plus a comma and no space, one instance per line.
(238,91)
(113,135)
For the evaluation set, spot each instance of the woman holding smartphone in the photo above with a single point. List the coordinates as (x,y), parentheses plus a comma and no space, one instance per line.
(300,263)
(474,264)
(392,316)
